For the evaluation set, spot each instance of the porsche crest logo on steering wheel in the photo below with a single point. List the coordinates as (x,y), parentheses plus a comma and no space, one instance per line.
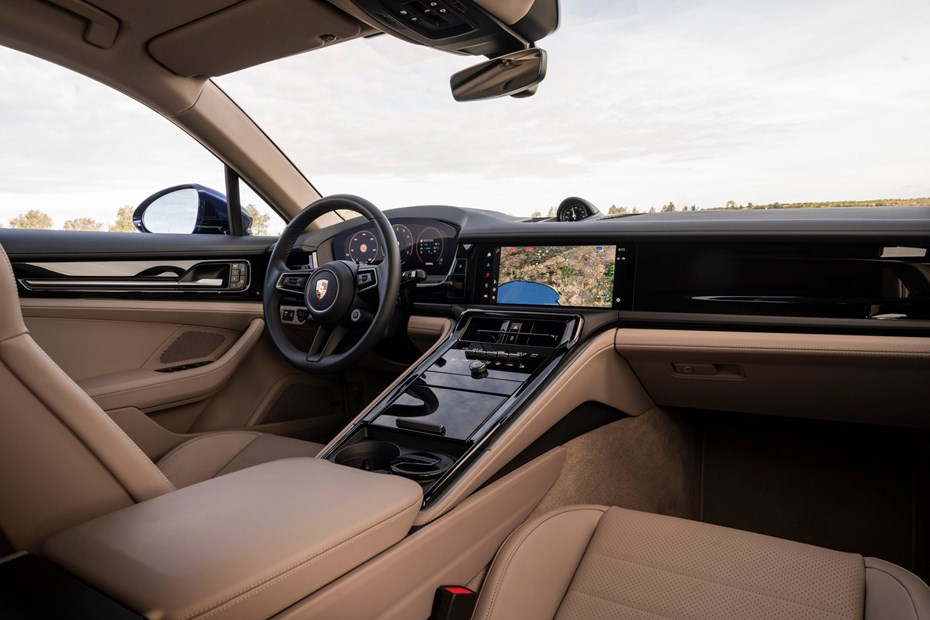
(321,287)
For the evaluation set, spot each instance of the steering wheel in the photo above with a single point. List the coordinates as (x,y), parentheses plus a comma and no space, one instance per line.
(339,295)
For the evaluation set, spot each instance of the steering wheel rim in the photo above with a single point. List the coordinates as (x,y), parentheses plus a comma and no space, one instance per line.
(333,320)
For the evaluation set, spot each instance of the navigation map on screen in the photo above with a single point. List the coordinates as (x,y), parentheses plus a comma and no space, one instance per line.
(580,276)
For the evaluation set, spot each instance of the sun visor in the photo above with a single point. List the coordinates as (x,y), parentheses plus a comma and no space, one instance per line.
(252,32)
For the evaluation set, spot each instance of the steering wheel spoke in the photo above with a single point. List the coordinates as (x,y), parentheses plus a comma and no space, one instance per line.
(293,282)
(325,342)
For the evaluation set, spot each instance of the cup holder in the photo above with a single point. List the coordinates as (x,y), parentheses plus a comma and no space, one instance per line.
(421,465)
(369,455)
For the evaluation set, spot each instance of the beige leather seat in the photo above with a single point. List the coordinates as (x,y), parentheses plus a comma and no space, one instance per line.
(586,562)
(64,461)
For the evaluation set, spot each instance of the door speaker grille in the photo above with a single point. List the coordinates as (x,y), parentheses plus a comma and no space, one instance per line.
(191,346)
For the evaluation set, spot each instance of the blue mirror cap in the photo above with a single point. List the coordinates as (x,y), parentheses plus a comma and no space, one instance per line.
(212,210)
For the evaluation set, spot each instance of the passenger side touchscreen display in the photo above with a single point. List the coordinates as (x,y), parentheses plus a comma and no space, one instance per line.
(578,275)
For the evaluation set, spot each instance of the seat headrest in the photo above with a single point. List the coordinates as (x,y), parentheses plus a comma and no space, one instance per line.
(11,316)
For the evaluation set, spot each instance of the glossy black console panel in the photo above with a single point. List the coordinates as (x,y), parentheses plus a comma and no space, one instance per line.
(455,414)
(486,384)
(444,410)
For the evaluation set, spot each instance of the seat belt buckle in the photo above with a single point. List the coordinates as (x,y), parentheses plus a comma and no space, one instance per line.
(453,603)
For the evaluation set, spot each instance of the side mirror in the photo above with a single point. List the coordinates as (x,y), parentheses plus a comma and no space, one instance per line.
(186,209)
(516,74)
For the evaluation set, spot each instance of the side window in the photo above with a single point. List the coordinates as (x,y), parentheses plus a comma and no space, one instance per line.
(79,156)
(265,220)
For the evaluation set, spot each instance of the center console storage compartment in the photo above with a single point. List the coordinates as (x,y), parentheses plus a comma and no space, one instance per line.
(244,545)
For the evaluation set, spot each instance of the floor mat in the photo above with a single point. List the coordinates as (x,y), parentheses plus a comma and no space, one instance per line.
(841,486)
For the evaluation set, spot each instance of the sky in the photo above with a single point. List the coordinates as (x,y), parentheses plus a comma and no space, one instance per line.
(690,101)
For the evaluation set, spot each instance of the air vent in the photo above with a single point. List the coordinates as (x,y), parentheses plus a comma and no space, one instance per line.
(543,333)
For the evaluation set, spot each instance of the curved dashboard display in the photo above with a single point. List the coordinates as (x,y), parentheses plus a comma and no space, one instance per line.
(424,244)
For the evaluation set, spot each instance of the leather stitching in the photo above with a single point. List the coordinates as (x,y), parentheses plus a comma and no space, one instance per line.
(55,369)
(8,268)
(8,338)
(499,577)
(718,583)
(106,418)
(901,583)
(296,567)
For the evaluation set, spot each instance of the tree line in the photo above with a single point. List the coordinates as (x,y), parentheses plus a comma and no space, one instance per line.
(731,205)
(39,220)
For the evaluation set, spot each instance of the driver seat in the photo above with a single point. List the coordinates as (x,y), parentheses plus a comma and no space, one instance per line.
(64,461)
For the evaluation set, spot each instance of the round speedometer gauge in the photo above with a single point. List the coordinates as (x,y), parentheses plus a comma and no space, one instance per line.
(363,247)
(404,241)
(429,247)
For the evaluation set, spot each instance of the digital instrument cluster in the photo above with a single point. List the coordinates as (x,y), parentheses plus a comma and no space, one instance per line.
(424,244)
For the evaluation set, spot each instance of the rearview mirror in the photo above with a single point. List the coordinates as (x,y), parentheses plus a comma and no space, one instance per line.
(516,74)
(186,209)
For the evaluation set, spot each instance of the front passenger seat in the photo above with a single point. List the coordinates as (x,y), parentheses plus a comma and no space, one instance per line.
(587,562)
(64,461)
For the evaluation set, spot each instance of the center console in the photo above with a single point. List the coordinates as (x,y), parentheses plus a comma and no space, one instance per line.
(430,426)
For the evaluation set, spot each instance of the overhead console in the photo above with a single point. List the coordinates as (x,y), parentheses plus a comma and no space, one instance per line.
(474,27)
(437,419)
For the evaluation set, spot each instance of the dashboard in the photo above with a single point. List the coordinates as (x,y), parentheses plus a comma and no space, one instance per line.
(863,270)
(790,267)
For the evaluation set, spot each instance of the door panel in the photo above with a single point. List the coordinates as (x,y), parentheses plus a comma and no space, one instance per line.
(115,340)
(87,348)
(171,385)
(128,339)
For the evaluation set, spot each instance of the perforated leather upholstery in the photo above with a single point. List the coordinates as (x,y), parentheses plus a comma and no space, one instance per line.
(586,562)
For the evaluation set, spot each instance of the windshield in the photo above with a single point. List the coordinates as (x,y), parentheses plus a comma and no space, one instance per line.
(698,104)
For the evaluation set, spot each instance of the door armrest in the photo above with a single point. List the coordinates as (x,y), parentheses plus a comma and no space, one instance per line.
(145,389)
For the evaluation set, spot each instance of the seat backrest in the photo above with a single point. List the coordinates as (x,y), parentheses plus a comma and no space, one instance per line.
(63,460)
